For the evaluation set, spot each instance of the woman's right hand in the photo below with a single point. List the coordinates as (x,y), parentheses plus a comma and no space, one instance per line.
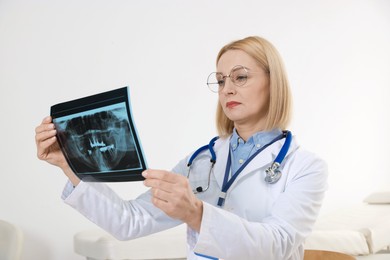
(47,145)
(49,150)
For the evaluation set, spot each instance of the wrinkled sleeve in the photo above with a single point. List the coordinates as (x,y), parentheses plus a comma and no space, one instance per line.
(121,218)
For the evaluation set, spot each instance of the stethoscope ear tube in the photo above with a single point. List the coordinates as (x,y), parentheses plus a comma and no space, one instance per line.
(213,159)
(196,153)
(211,149)
(285,147)
(209,146)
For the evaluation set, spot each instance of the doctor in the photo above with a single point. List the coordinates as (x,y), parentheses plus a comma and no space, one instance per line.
(231,209)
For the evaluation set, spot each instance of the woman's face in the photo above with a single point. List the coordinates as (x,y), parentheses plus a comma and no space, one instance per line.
(245,105)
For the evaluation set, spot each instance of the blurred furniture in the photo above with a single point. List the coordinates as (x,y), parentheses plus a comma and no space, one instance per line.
(98,245)
(326,255)
(11,241)
(361,230)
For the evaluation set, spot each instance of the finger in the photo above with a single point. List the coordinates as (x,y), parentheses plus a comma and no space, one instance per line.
(161,204)
(169,203)
(155,174)
(161,175)
(44,127)
(45,140)
(42,136)
(159,184)
(46,143)
(161,194)
(43,147)
(47,119)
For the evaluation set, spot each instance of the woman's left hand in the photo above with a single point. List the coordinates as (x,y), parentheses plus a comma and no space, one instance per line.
(172,194)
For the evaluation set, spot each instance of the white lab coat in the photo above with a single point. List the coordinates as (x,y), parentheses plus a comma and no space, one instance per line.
(258,220)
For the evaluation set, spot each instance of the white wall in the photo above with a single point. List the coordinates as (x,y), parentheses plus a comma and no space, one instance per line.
(336,52)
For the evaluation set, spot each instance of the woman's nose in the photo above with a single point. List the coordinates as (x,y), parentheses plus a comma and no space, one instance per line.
(229,86)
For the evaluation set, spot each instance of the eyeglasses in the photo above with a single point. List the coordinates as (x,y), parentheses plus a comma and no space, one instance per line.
(238,75)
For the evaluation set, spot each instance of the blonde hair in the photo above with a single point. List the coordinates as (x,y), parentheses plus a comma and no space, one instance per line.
(280,100)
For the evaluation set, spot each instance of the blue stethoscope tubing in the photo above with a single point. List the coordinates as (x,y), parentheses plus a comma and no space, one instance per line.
(273,174)
(201,149)
(213,160)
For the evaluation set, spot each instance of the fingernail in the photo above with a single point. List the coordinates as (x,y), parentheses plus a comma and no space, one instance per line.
(145,174)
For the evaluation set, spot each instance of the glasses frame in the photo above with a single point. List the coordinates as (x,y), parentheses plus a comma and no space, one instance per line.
(211,85)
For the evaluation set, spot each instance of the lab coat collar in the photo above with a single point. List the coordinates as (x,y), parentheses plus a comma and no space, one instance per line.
(265,158)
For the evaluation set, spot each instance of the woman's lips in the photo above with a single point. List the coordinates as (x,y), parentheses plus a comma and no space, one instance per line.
(232,104)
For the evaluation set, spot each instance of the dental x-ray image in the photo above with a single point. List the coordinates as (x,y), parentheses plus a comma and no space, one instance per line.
(98,137)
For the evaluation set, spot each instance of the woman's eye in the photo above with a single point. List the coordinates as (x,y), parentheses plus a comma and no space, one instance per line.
(241,78)
(221,82)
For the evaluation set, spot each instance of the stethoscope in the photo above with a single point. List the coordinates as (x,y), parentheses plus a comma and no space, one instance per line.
(213,160)
(272,173)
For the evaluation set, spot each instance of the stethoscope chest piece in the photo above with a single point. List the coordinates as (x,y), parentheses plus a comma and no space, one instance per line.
(273,174)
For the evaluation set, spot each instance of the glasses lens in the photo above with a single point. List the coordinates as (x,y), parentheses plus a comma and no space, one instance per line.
(239,75)
(215,81)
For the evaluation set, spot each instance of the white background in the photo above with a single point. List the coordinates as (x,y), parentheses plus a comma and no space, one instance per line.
(337,55)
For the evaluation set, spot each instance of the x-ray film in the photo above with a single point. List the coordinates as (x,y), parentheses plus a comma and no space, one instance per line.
(98,137)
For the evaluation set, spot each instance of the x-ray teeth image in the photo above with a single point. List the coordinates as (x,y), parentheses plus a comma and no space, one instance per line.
(99,140)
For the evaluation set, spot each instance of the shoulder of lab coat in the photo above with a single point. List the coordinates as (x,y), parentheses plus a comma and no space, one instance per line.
(281,232)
